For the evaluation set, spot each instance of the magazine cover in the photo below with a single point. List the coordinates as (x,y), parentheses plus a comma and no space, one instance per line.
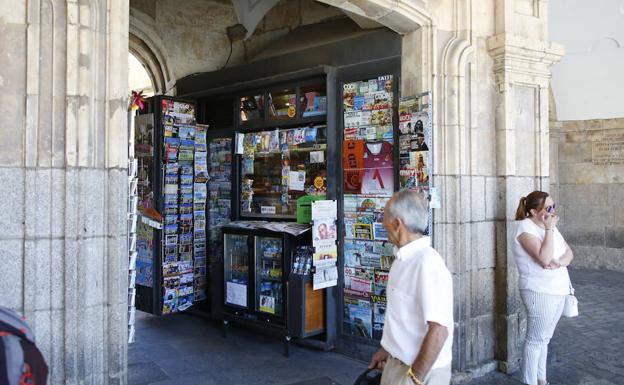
(371,258)
(349,91)
(419,161)
(359,316)
(363,230)
(379,315)
(381,282)
(353,252)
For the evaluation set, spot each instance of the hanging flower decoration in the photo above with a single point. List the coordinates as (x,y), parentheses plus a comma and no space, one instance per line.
(137,101)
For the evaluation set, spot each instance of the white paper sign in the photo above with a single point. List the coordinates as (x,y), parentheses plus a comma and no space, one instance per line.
(325,278)
(436,201)
(324,209)
(236,294)
(296,180)
(240,138)
(267,209)
(317,157)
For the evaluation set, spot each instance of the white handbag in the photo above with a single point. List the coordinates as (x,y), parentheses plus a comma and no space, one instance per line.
(570,307)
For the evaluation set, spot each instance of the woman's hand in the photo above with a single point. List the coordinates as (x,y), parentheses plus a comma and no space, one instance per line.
(550,221)
(553,265)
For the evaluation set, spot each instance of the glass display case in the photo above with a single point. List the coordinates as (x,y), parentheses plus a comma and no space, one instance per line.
(269,275)
(265,292)
(236,268)
(283,104)
(251,108)
(313,100)
(280,166)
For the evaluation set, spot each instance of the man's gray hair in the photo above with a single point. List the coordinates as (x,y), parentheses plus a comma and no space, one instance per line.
(412,208)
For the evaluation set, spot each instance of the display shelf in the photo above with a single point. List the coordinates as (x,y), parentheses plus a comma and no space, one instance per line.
(132,218)
(272,279)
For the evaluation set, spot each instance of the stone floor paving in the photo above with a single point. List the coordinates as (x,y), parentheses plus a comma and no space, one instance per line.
(184,349)
(589,349)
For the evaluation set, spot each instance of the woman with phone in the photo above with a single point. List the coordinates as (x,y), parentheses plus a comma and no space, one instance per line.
(542,257)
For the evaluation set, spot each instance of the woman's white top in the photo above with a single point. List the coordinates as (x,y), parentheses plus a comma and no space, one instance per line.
(532,275)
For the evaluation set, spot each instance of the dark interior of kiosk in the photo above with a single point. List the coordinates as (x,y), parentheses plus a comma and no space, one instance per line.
(312,62)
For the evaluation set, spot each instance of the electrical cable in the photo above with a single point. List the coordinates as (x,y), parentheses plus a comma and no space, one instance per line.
(231,49)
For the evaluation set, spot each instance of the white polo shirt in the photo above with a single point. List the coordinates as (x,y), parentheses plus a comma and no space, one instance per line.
(420,290)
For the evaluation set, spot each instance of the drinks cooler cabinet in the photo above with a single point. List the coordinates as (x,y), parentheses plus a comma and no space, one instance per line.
(259,289)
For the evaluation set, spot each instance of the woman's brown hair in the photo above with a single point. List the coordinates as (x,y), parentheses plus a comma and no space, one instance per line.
(533,201)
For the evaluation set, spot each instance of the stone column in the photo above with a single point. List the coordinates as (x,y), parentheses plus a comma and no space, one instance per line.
(63,161)
(522,60)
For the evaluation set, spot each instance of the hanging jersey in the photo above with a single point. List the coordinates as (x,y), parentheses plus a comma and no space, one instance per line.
(378,181)
(378,154)
(353,166)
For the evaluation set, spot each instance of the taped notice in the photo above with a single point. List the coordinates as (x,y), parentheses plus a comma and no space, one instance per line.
(296,180)
(325,277)
(236,294)
(435,199)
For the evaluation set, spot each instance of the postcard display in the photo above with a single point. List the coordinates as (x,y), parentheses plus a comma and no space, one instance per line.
(180,212)
(132,228)
(219,194)
(144,154)
(184,207)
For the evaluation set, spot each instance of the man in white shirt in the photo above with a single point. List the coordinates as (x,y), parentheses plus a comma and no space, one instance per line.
(416,347)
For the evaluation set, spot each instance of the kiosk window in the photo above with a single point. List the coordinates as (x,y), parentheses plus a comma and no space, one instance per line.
(280,166)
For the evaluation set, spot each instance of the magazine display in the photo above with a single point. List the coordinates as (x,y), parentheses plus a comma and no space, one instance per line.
(369,182)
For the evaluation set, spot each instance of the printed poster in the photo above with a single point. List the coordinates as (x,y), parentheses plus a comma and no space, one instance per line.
(267,304)
(324,237)
(145,255)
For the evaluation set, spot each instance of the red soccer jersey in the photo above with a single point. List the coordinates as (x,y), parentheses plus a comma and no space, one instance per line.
(378,154)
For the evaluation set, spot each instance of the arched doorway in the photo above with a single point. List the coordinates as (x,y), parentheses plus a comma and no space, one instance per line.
(138,77)
(275,37)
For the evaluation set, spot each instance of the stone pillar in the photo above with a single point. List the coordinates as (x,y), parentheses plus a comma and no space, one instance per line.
(522,60)
(63,161)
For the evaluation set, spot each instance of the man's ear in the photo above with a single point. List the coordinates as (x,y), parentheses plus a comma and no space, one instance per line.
(398,222)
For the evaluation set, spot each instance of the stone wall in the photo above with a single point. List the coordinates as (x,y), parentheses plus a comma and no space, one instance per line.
(63,161)
(589,191)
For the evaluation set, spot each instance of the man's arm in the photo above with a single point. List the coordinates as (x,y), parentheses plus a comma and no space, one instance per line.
(430,349)
(379,359)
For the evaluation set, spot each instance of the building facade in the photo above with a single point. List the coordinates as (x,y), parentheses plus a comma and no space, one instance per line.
(64,158)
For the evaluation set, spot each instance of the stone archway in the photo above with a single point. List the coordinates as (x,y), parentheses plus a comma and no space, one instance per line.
(145,44)
(412,20)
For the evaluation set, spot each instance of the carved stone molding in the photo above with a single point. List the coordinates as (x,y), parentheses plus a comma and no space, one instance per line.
(399,15)
(521,60)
